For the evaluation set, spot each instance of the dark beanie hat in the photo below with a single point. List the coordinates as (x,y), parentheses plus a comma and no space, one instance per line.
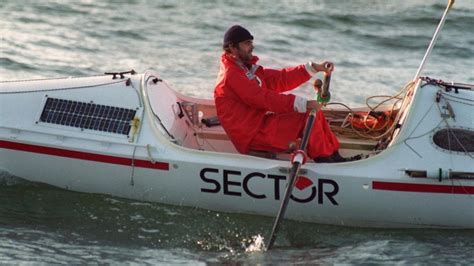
(236,34)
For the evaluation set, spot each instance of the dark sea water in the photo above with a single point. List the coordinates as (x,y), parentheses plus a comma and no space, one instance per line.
(376,47)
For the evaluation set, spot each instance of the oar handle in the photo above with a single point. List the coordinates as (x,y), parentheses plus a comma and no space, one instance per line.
(325,88)
(323,93)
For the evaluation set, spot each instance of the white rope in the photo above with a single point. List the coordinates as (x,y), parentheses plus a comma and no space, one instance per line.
(132,177)
(150,158)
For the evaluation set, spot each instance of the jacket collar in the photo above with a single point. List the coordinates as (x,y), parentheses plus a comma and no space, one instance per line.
(228,60)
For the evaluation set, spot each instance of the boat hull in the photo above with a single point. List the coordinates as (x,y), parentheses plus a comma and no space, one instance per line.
(329,199)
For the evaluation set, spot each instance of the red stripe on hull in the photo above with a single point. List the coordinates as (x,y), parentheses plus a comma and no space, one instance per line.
(82,155)
(425,188)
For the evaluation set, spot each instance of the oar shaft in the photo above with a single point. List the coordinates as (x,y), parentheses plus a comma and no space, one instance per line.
(291,181)
(307,129)
(433,40)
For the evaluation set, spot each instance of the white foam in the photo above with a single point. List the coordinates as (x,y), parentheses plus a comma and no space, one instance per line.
(256,245)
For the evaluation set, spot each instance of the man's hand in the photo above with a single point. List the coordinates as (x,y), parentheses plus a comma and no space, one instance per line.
(313,104)
(325,66)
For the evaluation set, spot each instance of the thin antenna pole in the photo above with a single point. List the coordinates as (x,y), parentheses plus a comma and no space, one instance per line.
(433,40)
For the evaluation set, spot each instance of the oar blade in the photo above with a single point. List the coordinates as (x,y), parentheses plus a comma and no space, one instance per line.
(295,168)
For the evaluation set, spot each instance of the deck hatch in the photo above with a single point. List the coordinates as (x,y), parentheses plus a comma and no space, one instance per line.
(89,116)
(455,139)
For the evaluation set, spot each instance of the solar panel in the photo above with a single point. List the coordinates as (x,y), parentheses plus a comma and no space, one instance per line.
(89,116)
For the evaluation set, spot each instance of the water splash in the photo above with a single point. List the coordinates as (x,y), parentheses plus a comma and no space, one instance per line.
(256,245)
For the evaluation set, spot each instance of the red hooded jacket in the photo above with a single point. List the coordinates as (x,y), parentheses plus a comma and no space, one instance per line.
(244,96)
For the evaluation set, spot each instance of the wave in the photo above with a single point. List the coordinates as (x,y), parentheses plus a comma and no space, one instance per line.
(131,34)
(58,8)
(15,65)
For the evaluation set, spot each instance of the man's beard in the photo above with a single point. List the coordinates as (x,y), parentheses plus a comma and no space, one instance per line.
(245,57)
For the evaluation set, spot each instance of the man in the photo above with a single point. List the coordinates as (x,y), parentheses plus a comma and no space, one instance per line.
(254,112)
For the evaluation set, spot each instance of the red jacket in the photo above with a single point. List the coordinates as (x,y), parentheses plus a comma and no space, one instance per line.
(243,99)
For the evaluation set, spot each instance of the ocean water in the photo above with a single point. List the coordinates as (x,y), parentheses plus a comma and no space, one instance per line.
(376,47)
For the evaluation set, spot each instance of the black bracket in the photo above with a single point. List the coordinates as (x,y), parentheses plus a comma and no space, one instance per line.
(132,72)
(447,86)
(181,113)
(438,96)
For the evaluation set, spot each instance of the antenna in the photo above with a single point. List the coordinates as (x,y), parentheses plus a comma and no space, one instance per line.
(433,40)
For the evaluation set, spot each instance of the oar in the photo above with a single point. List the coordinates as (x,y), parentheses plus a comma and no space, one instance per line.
(297,159)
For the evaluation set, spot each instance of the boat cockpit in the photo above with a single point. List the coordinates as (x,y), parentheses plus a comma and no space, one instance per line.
(193,123)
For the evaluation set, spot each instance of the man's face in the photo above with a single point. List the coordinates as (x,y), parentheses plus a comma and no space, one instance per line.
(244,51)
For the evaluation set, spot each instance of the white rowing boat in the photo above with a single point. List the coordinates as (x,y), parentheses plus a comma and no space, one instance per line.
(135,137)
